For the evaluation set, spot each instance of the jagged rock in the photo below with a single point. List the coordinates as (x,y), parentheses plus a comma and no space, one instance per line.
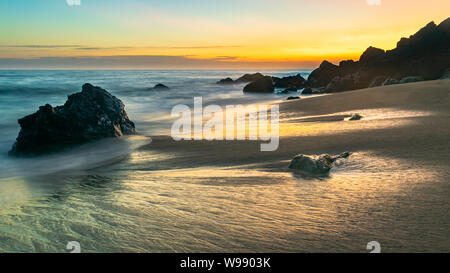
(160,86)
(315,164)
(425,54)
(411,79)
(371,54)
(226,81)
(293,98)
(263,85)
(296,82)
(88,115)
(250,78)
(323,75)
(355,116)
(390,82)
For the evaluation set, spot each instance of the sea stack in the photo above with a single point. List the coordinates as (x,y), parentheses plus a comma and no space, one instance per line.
(91,114)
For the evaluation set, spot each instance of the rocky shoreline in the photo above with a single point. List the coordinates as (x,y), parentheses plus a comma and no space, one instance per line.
(423,56)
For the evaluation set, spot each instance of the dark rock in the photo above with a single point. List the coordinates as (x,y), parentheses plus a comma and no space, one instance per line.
(226,81)
(371,54)
(425,54)
(263,85)
(293,98)
(339,84)
(310,91)
(323,75)
(411,79)
(315,164)
(390,82)
(160,86)
(296,81)
(355,116)
(91,114)
(250,78)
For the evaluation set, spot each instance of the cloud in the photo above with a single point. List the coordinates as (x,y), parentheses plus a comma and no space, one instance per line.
(145,62)
(39,46)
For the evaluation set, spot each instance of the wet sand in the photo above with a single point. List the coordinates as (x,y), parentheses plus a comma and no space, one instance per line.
(408,121)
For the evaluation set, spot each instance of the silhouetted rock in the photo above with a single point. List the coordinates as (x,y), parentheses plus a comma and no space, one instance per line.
(371,54)
(263,85)
(426,55)
(323,75)
(315,164)
(293,98)
(390,81)
(250,78)
(411,79)
(296,82)
(160,86)
(226,81)
(88,115)
(310,91)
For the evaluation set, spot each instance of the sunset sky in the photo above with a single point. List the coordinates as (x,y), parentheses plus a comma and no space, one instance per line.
(203,33)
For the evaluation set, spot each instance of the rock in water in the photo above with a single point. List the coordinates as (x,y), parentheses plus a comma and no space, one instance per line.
(91,114)
(315,164)
(263,85)
(160,86)
(226,81)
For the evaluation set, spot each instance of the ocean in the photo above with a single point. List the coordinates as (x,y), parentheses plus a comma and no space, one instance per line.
(111,196)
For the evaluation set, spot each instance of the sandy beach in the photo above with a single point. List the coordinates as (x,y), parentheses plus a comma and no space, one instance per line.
(407,121)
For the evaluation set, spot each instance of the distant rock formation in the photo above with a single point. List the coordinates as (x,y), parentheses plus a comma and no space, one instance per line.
(160,86)
(243,79)
(263,85)
(423,56)
(315,164)
(290,82)
(250,78)
(88,115)
(226,81)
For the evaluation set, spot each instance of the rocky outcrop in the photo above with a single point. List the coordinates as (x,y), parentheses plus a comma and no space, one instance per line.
(323,75)
(91,114)
(424,55)
(290,82)
(250,78)
(315,164)
(159,86)
(310,91)
(263,85)
(226,81)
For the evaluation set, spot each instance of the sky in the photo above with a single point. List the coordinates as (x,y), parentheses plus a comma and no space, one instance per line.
(203,34)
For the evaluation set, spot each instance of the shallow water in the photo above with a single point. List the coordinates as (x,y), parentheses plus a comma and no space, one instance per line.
(113,197)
